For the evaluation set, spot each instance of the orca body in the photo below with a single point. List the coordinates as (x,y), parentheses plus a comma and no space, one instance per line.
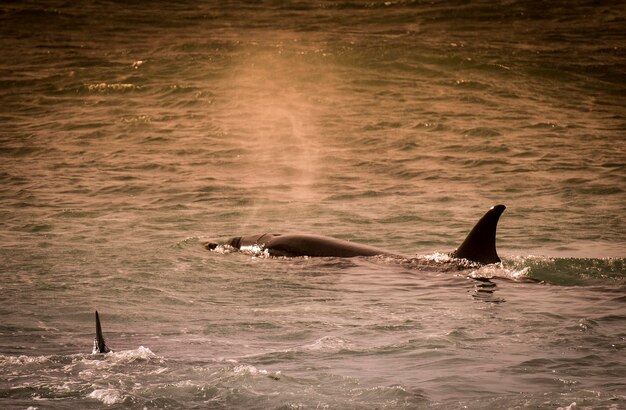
(479,246)
(98,343)
(305,245)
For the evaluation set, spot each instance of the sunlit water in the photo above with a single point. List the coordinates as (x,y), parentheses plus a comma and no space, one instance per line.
(131,134)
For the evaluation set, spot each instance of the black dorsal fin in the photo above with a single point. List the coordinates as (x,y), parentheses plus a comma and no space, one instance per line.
(98,344)
(480,244)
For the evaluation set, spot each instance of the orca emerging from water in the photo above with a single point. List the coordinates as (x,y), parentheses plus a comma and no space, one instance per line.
(98,342)
(479,245)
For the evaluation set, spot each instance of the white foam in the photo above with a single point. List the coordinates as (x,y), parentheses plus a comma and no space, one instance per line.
(255,250)
(107,396)
(499,270)
(223,249)
(437,257)
(102,87)
(248,369)
(141,353)
(327,344)
(22,360)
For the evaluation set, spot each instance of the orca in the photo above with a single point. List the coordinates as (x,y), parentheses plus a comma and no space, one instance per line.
(479,246)
(98,342)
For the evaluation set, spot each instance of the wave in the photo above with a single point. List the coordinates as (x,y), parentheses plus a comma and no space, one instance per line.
(82,375)
(113,359)
(571,271)
(555,271)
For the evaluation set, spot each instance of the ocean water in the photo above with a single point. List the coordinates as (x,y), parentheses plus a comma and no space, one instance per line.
(132,133)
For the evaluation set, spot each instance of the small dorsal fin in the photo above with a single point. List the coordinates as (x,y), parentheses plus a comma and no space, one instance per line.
(98,344)
(480,244)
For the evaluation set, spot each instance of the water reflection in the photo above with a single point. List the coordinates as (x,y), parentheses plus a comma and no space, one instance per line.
(484,290)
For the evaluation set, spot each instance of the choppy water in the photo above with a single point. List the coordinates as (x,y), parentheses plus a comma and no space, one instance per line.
(131,133)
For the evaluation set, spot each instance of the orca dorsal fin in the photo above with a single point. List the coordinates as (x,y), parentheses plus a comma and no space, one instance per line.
(98,344)
(480,245)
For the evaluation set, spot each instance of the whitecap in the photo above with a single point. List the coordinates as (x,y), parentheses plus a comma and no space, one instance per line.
(248,369)
(107,396)
(141,353)
(327,344)
(22,360)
